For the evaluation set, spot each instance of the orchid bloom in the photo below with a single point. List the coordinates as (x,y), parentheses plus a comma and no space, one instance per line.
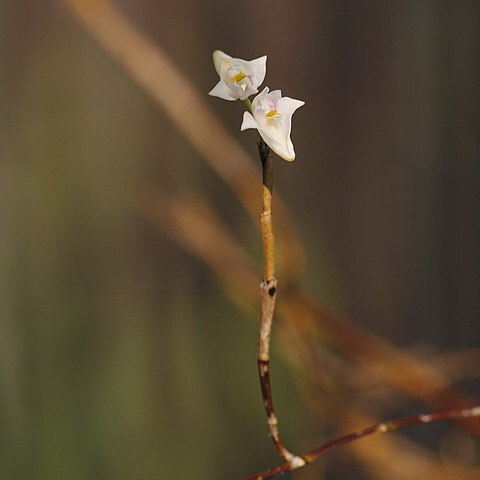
(272,117)
(238,78)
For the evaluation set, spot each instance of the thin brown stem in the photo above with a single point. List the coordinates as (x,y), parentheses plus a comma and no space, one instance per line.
(269,295)
(266,217)
(378,428)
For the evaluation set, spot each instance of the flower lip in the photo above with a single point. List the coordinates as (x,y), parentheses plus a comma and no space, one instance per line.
(238,78)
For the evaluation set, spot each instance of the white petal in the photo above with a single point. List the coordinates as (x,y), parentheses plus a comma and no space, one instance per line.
(242,90)
(275,130)
(248,122)
(253,75)
(289,105)
(221,90)
(290,152)
(219,59)
(278,142)
(276,94)
(259,70)
(258,99)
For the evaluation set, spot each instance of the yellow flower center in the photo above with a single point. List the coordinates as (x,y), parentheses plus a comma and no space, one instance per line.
(272,113)
(239,77)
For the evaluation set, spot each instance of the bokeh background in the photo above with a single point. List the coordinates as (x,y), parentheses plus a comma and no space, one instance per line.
(121,354)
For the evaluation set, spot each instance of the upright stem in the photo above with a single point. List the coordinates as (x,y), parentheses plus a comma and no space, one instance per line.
(266,216)
(269,294)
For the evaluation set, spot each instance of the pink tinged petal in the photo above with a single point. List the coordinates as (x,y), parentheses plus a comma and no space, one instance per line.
(248,122)
(261,95)
(221,90)
(259,100)
(277,94)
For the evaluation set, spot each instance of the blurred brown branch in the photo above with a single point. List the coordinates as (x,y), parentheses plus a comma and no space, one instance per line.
(398,368)
(310,330)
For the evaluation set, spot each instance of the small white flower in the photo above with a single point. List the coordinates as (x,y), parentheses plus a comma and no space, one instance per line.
(272,117)
(238,78)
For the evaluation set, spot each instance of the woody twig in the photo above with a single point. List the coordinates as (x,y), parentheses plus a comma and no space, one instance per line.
(269,295)
(384,427)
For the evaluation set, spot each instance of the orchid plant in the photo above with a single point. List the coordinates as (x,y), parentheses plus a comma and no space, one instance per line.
(271,114)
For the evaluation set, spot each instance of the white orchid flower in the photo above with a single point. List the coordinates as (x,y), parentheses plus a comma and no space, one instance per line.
(238,78)
(272,117)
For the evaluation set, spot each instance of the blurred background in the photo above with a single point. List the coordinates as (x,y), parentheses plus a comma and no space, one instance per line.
(122,354)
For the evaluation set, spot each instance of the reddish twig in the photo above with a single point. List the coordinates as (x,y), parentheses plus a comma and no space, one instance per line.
(378,428)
